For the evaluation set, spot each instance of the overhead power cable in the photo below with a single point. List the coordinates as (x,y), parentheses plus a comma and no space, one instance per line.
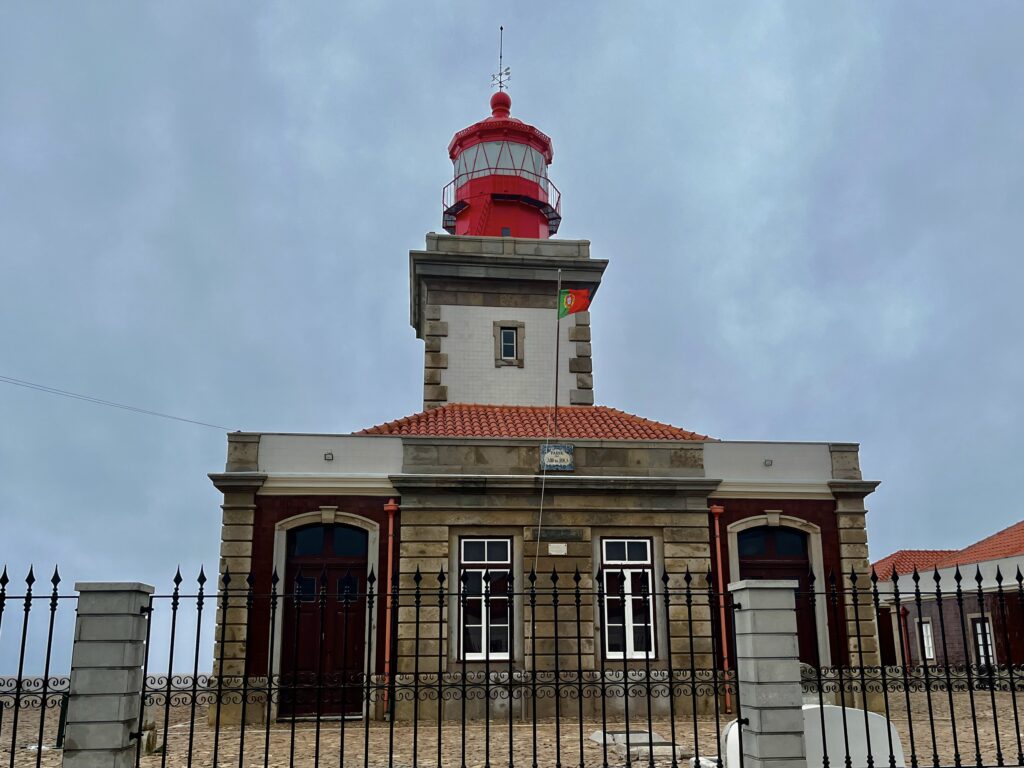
(99,401)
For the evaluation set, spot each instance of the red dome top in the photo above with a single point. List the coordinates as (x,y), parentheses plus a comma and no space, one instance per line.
(501,103)
(501,126)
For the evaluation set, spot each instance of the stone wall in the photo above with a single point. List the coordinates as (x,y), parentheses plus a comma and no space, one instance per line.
(452,489)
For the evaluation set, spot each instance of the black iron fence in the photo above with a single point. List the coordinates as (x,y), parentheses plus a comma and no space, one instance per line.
(529,670)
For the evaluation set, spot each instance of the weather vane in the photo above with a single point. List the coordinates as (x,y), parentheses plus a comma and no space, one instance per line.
(504,73)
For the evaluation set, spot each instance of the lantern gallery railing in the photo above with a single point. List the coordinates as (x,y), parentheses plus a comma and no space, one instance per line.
(555,669)
(549,199)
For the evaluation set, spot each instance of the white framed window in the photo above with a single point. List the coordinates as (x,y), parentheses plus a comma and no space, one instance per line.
(508,344)
(628,621)
(927,640)
(509,336)
(984,653)
(485,567)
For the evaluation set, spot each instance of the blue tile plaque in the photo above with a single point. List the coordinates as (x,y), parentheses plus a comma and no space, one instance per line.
(556,458)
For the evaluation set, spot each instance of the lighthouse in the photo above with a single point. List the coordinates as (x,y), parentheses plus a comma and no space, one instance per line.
(501,186)
(483,297)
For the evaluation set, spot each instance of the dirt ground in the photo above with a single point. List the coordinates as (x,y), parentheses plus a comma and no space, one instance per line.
(936,741)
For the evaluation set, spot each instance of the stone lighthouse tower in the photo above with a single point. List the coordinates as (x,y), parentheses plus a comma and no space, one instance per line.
(484,297)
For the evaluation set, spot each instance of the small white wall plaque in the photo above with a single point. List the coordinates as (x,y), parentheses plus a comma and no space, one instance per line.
(556,458)
(558,548)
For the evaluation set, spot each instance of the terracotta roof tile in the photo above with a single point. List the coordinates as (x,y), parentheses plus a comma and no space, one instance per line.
(592,422)
(906,560)
(1006,543)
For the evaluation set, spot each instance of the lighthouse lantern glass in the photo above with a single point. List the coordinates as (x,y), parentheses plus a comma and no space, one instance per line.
(502,158)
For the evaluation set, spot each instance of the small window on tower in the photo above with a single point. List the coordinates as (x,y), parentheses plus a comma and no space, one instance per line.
(506,232)
(508,343)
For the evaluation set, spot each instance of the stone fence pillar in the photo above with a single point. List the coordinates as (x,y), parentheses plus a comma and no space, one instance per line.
(104,703)
(768,674)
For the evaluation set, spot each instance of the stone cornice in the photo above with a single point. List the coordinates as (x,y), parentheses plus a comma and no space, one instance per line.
(852,489)
(238,482)
(336,485)
(689,486)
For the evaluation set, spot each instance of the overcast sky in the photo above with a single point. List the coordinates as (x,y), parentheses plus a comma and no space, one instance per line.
(812,213)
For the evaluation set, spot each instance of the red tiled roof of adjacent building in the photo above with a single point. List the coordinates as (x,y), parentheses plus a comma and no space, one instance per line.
(1006,543)
(592,422)
(906,560)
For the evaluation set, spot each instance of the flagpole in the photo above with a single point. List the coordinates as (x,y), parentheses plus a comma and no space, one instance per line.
(553,432)
(558,336)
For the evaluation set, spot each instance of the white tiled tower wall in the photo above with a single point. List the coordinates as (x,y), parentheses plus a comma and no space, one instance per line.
(472,377)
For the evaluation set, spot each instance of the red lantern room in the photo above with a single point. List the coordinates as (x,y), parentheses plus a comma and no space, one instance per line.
(501,186)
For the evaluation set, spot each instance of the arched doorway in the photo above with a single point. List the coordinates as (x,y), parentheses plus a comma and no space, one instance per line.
(779,552)
(323,641)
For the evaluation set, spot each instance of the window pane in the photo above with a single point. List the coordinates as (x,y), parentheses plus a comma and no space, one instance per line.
(307,541)
(614,612)
(641,611)
(616,639)
(615,550)
(499,639)
(640,583)
(497,551)
(305,588)
(642,639)
(929,644)
(499,610)
(473,551)
(473,611)
(790,543)
(752,543)
(508,344)
(612,584)
(518,152)
(350,542)
(499,582)
(472,583)
(636,551)
(471,638)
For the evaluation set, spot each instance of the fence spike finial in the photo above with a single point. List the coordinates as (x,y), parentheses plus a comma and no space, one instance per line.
(274,578)
(55,579)
(202,576)
(31,578)
(978,579)
(4,580)
(999,576)
(177,578)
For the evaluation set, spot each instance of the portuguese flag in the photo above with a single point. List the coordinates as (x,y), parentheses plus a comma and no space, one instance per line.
(572,300)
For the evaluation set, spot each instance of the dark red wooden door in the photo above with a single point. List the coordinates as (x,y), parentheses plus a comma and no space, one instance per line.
(323,638)
(782,553)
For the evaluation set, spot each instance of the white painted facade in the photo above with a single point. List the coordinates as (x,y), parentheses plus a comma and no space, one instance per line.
(472,376)
(787,470)
(362,464)
(355,464)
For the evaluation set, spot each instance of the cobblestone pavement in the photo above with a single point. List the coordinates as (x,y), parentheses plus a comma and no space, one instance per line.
(476,745)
